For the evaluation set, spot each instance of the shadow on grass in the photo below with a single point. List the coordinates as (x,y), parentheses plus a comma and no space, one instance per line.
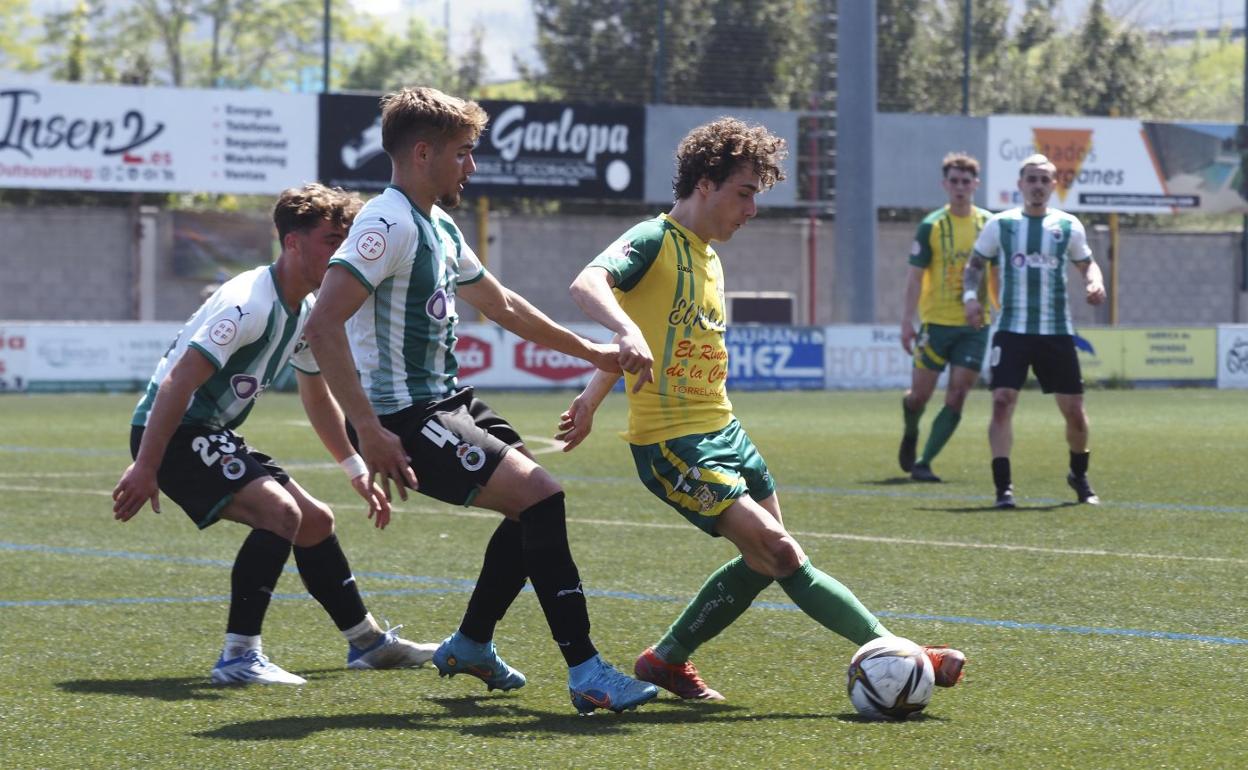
(991,508)
(892,481)
(166,689)
(496,717)
(170,689)
(853,716)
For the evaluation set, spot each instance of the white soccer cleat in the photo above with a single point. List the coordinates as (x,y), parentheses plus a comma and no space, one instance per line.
(252,667)
(390,651)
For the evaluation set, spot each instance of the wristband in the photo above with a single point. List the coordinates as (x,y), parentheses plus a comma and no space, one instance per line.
(354,466)
(968,295)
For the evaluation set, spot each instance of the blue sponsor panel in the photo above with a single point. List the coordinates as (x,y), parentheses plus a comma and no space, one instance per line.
(775,358)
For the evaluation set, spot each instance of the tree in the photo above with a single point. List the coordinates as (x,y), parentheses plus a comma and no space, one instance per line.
(394,61)
(17,51)
(1112,71)
(730,52)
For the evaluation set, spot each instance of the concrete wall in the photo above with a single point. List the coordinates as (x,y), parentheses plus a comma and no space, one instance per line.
(67,264)
(79,264)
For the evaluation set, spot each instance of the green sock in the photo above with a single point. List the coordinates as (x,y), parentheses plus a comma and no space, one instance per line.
(911,418)
(942,428)
(726,594)
(825,599)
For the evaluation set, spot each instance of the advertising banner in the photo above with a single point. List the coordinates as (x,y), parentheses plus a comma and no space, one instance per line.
(1116,164)
(1233,356)
(1149,355)
(866,357)
(775,357)
(546,149)
(81,357)
(140,139)
(490,357)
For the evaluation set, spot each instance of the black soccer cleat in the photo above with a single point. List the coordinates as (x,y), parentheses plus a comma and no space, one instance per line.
(905,455)
(1005,498)
(921,472)
(1082,488)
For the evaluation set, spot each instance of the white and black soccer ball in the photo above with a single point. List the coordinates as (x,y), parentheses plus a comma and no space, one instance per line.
(890,678)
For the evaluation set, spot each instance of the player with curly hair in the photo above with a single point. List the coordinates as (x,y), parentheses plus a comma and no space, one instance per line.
(660,288)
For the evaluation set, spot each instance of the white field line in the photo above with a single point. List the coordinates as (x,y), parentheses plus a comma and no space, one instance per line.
(410,506)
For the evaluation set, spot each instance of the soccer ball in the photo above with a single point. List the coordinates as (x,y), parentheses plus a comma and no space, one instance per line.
(890,678)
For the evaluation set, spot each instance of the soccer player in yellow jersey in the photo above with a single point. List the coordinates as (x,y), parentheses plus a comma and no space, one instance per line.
(945,239)
(660,288)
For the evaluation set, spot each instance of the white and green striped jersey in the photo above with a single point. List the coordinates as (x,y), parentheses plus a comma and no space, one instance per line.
(403,336)
(246,331)
(1032,254)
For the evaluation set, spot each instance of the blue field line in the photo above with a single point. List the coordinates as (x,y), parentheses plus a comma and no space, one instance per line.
(442,586)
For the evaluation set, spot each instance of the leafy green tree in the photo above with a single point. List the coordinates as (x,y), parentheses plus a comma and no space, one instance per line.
(17,49)
(1208,81)
(729,52)
(1112,70)
(393,61)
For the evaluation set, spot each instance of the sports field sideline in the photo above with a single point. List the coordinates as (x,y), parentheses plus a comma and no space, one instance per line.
(1098,637)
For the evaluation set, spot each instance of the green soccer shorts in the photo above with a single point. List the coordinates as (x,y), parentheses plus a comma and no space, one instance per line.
(702,474)
(938,346)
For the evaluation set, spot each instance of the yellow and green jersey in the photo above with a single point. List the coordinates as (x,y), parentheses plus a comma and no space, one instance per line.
(671,284)
(942,246)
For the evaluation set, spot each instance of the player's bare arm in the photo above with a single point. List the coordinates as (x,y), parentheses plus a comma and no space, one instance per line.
(576,423)
(326,419)
(340,296)
(972,278)
(1094,285)
(591,291)
(518,316)
(914,284)
(138,483)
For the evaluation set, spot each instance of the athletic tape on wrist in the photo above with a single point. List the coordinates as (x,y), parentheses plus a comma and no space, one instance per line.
(354,466)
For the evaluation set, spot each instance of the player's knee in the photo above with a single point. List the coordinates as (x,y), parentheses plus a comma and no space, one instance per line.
(784,555)
(316,523)
(282,519)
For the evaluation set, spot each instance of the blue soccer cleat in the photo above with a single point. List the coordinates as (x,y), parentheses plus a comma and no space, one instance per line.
(252,667)
(460,655)
(595,684)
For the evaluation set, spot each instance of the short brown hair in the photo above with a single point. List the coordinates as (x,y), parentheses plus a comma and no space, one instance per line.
(303,208)
(426,115)
(962,162)
(714,150)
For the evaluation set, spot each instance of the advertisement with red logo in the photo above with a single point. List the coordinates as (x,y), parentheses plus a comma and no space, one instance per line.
(474,355)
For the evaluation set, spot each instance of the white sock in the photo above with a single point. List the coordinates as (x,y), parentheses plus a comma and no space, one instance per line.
(364,633)
(238,645)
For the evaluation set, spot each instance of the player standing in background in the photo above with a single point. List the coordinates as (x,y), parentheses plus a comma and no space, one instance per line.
(1031,246)
(661,287)
(182,438)
(937,259)
(395,280)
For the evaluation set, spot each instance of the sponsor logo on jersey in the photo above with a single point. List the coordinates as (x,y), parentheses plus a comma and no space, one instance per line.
(223,332)
(371,245)
(439,305)
(549,364)
(244,386)
(473,355)
(1021,260)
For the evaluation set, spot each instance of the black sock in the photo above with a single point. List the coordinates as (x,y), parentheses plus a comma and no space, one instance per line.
(1001,473)
(1079,463)
(501,580)
(256,570)
(548,562)
(327,576)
